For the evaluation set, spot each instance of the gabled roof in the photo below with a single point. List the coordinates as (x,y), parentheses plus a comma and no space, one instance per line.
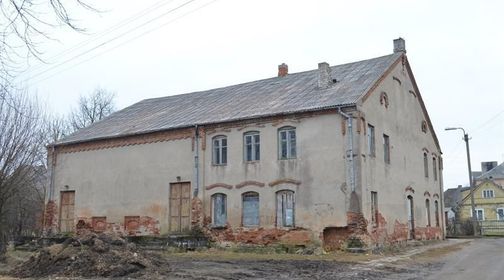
(453,196)
(494,173)
(293,93)
(479,186)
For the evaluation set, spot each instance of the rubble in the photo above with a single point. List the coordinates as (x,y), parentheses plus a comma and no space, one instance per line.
(93,255)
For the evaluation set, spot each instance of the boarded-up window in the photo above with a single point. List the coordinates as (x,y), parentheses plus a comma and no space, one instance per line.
(252,147)
(250,209)
(285,208)
(219,209)
(427,208)
(287,142)
(374,208)
(131,224)
(436,212)
(426,165)
(99,223)
(67,211)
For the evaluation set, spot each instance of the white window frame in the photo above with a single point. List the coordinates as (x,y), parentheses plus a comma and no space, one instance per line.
(488,191)
(290,142)
(371,140)
(482,213)
(217,150)
(255,146)
(497,213)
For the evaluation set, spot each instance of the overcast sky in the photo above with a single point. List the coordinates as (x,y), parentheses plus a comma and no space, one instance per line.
(149,48)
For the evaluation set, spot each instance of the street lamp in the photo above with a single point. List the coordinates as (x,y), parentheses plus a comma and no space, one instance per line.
(471,183)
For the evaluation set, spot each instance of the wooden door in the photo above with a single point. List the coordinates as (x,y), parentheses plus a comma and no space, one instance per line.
(67,207)
(180,207)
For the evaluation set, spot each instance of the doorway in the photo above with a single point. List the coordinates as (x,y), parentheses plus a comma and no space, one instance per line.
(67,209)
(180,207)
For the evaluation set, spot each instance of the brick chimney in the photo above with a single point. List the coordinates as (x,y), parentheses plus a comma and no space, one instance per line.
(399,45)
(283,70)
(324,75)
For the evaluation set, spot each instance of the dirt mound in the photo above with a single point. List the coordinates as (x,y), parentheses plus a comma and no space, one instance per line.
(93,255)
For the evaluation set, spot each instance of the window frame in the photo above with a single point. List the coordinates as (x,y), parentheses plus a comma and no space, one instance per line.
(499,218)
(426,165)
(281,217)
(290,142)
(251,194)
(477,210)
(386,148)
(214,209)
(427,209)
(218,151)
(434,168)
(374,208)
(371,137)
(483,192)
(255,147)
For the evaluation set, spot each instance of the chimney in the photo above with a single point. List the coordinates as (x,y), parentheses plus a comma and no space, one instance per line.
(324,75)
(399,45)
(283,70)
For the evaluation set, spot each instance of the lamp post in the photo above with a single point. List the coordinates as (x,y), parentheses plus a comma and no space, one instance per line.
(471,183)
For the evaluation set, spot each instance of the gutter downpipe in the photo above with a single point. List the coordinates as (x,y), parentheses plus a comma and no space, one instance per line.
(196,161)
(350,152)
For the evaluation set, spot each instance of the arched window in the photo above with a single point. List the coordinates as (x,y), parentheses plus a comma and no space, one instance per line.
(219,209)
(287,142)
(436,212)
(285,208)
(251,146)
(250,209)
(427,208)
(411,217)
(426,165)
(434,168)
(219,150)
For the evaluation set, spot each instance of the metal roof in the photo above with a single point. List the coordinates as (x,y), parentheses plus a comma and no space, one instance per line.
(297,92)
(494,173)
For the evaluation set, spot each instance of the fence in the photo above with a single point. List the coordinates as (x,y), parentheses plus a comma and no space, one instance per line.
(465,228)
(491,227)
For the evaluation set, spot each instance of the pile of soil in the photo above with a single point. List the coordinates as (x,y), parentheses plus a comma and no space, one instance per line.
(93,255)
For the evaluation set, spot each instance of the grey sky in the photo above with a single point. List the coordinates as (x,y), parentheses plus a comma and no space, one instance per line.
(455,49)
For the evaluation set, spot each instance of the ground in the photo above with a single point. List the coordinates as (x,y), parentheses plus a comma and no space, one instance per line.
(440,260)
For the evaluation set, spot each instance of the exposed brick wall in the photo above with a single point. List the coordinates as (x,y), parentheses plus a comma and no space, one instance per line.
(196,212)
(50,217)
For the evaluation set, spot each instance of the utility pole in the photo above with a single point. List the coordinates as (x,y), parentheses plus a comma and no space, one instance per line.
(471,182)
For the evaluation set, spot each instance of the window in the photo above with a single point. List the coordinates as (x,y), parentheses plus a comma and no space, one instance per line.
(219,208)
(287,142)
(250,209)
(426,165)
(386,148)
(500,214)
(480,214)
(285,208)
(488,193)
(251,146)
(427,208)
(371,140)
(434,168)
(436,212)
(374,209)
(219,156)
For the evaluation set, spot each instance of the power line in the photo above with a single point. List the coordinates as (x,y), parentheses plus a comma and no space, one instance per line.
(111,40)
(107,31)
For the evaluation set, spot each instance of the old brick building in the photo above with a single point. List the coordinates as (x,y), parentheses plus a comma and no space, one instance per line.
(310,157)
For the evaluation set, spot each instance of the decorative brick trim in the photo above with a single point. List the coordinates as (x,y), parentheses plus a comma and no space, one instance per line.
(427,193)
(249,183)
(285,181)
(250,126)
(218,185)
(435,195)
(397,80)
(409,189)
(126,141)
(413,93)
(426,150)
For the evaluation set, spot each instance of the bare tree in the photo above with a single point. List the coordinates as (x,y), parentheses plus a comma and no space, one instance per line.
(99,104)
(22,147)
(24,23)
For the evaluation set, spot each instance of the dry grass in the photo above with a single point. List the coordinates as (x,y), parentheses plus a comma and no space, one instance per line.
(439,252)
